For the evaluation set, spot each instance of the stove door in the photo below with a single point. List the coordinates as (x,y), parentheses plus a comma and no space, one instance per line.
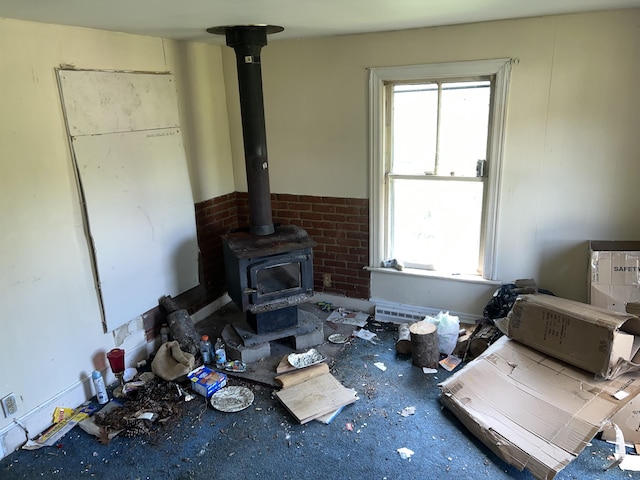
(279,277)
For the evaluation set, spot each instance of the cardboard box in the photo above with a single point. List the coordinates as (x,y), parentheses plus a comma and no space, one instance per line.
(592,338)
(206,381)
(614,274)
(533,411)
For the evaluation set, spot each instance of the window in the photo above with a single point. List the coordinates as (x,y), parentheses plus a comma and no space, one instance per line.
(436,133)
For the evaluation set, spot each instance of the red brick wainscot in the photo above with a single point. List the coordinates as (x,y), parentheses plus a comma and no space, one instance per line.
(340,226)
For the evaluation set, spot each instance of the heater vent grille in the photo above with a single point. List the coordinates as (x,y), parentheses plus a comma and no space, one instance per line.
(391,312)
(398,313)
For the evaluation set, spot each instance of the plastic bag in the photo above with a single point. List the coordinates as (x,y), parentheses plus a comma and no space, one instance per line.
(448,327)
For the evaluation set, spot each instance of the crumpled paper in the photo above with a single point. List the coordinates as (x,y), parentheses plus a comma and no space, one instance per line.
(405,453)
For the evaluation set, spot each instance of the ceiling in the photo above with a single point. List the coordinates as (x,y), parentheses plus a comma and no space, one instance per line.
(189,19)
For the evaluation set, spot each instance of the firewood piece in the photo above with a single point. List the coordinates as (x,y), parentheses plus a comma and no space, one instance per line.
(184,332)
(424,344)
(462,345)
(482,337)
(403,344)
(168,304)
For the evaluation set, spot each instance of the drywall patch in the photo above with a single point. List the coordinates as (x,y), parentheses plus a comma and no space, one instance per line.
(130,335)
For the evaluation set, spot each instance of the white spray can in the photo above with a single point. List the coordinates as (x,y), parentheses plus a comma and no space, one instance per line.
(101,390)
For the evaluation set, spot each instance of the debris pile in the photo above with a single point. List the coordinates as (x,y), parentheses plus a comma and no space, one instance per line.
(157,402)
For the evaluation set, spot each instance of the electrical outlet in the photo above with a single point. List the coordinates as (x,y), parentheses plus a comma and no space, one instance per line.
(326,280)
(9,405)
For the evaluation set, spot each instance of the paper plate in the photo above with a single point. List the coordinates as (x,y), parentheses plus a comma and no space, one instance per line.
(338,338)
(306,359)
(232,399)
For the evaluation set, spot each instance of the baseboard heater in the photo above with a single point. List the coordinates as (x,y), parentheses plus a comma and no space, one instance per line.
(392,312)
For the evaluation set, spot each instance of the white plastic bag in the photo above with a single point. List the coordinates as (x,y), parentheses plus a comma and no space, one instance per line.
(448,327)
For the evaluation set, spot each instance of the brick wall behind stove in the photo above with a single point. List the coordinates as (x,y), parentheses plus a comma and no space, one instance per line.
(340,226)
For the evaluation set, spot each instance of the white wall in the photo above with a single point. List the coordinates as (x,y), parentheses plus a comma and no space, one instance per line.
(571,157)
(203,112)
(52,335)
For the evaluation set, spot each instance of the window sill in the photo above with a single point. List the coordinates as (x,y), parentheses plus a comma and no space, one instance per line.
(414,272)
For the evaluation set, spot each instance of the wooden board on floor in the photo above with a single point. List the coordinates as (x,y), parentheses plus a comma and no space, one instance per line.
(284,365)
(315,397)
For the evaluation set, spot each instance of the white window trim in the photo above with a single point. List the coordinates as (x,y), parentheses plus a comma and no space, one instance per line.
(501,68)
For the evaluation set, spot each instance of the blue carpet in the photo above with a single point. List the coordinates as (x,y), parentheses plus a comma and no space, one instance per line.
(264,441)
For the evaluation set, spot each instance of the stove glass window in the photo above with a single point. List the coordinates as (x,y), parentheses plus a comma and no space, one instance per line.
(279,278)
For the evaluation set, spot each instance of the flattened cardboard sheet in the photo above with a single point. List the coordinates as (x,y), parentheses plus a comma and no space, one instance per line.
(533,411)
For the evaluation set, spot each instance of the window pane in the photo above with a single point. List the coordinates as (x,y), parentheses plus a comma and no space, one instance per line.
(435,224)
(464,120)
(415,116)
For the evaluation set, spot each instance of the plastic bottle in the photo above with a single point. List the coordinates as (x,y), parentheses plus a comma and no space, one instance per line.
(221,354)
(101,390)
(164,333)
(206,350)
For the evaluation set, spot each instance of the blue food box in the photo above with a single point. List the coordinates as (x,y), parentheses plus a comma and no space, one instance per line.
(206,381)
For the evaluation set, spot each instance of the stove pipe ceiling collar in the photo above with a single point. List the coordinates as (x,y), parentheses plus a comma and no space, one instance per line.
(247,41)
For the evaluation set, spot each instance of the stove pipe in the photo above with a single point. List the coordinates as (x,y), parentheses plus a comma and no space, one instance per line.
(247,41)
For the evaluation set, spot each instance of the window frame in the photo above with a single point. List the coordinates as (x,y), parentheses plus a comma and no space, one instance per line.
(501,70)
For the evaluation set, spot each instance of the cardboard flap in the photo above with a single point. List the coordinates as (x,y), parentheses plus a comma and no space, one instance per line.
(622,347)
(631,325)
(635,354)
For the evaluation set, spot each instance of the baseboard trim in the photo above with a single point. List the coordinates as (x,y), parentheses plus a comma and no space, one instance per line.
(214,306)
(37,420)
(344,302)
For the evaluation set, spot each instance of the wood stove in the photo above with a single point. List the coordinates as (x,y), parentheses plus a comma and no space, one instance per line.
(267,277)
(269,268)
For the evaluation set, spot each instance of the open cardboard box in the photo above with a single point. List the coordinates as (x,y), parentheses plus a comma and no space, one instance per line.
(534,411)
(593,338)
(614,274)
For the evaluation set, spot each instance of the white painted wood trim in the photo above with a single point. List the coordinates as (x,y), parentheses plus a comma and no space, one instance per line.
(207,310)
(495,159)
(501,68)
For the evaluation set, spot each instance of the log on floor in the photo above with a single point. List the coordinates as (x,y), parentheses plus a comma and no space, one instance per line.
(424,344)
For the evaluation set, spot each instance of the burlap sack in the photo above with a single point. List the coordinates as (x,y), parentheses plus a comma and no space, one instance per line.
(171,363)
